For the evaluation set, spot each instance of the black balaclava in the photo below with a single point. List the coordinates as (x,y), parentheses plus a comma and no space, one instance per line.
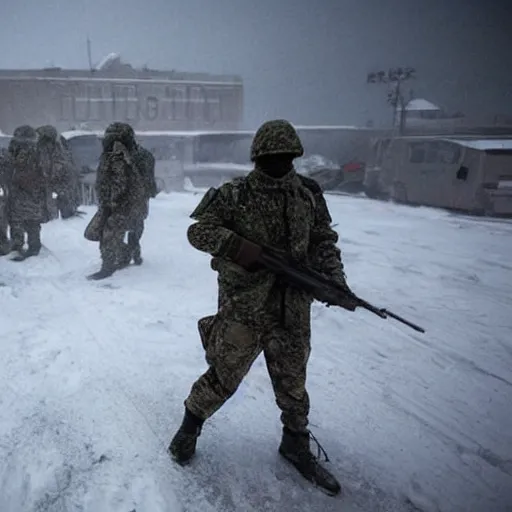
(276,166)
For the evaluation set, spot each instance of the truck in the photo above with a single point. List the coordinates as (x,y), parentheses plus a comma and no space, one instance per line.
(114,91)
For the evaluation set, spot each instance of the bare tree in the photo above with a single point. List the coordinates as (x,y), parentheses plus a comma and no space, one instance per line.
(394,78)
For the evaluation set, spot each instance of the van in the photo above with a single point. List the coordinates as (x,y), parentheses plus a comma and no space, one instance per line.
(469,174)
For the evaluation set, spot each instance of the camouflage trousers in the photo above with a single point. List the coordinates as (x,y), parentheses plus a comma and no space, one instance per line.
(4,225)
(113,249)
(4,239)
(134,236)
(18,230)
(231,349)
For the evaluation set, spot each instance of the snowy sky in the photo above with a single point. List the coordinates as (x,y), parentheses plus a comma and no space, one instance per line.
(306,61)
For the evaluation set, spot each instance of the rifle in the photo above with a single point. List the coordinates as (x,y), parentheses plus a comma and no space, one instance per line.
(323,289)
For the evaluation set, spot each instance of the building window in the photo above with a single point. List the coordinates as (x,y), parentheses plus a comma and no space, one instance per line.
(462,173)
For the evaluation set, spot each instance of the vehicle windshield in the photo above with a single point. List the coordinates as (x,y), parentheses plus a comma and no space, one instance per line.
(162,147)
(223,148)
(86,150)
(4,142)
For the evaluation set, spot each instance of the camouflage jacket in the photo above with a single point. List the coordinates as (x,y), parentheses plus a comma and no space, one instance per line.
(29,196)
(3,191)
(289,215)
(56,167)
(119,185)
(145,162)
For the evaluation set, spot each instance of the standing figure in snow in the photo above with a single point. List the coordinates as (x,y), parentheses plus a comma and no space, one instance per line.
(121,196)
(5,246)
(145,162)
(258,312)
(29,200)
(61,173)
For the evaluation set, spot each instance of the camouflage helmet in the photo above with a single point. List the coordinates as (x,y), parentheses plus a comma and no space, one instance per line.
(47,132)
(276,137)
(24,132)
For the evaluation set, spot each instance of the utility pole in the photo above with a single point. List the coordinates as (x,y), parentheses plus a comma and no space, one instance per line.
(89,54)
(394,77)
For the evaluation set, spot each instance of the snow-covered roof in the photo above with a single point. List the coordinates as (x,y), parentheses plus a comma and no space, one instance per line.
(152,133)
(333,127)
(108,61)
(485,144)
(79,133)
(192,133)
(218,166)
(419,104)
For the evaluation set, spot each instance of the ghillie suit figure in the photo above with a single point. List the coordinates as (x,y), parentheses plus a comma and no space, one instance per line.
(121,196)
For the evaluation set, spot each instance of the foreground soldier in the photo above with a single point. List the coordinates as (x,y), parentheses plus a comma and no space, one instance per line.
(275,207)
(121,198)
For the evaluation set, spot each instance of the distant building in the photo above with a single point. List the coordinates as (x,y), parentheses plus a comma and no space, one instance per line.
(419,110)
(423,116)
(115,91)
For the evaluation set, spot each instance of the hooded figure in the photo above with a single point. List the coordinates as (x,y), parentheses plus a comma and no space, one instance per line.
(29,200)
(258,312)
(5,247)
(59,170)
(121,197)
(145,162)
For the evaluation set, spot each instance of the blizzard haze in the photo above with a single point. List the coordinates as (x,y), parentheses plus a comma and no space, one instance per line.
(305,61)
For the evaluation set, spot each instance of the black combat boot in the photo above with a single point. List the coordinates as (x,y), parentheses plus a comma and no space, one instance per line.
(183,444)
(5,247)
(33,249)
(33,240)
(103,273)
(295,449)
(134,245)
(137,259)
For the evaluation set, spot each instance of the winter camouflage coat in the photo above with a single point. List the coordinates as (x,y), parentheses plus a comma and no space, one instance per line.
(288,214)
(3,195)
(62,175)
(120,187)
(53,160)
(29,192)
(145,162)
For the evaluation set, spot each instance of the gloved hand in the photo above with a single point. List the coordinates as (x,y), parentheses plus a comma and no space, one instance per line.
(348,301)
(245,253)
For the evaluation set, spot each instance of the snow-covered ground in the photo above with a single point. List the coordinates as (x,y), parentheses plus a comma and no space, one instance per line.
(93,375)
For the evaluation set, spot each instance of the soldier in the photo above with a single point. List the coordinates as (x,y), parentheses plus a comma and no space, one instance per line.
(4,223)
(121,195)
(258,312)
(145,162)
(29,200)
(61,173)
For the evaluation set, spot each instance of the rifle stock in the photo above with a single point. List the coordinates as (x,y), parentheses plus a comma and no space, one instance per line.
(323,289)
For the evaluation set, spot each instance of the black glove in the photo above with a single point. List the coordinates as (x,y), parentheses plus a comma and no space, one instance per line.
(349,302)
(245,253)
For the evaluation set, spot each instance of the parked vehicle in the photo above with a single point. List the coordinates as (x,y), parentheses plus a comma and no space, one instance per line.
(465,173)
(212,158)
